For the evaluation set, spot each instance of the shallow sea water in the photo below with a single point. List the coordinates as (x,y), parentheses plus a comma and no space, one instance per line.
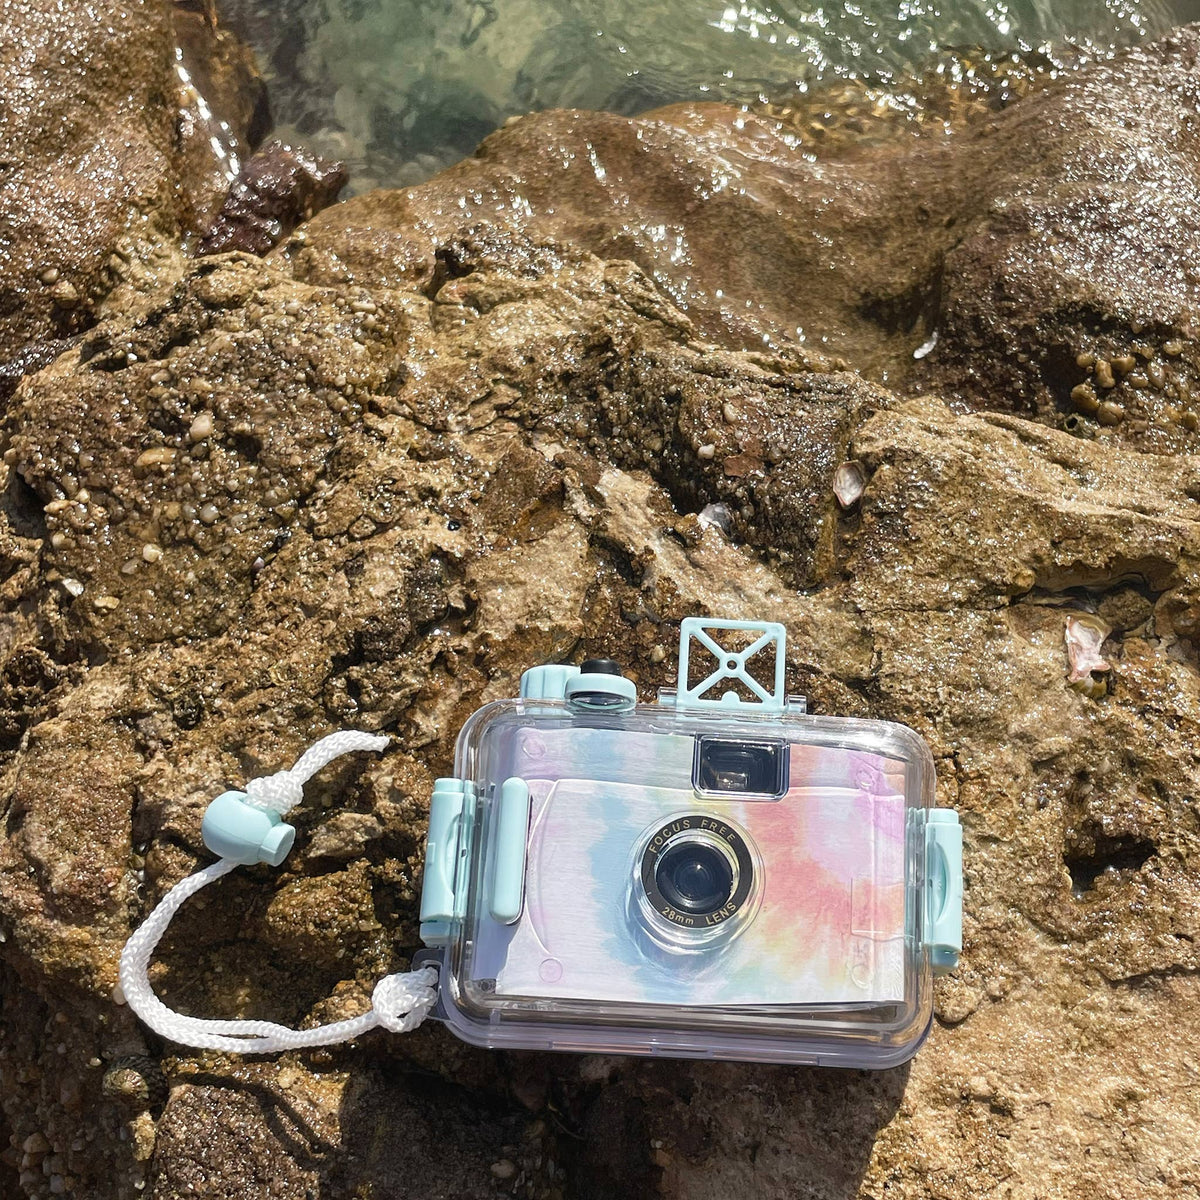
(401,88)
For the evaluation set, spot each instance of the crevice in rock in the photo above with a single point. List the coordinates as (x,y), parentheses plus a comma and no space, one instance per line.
(1089,858)
(23,508)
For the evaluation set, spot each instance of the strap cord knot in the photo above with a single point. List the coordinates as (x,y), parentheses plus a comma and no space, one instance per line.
(281,792)
(401,1002)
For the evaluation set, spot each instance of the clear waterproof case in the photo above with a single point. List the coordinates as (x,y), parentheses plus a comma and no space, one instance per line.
(725,877)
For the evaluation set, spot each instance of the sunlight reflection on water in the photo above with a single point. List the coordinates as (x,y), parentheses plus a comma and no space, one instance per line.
(401,88)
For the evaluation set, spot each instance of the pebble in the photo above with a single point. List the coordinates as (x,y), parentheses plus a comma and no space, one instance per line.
(209,514)
(1156,375)
(1172,349)
(154,456)
(1084,398)
(504,1169)
(201,427)
(1110,413)
(707,451)
(731,413)
(1124,363)
(64,294)
(151,552)
(73,586)
(1104,375)
(35,1143)
(49,276)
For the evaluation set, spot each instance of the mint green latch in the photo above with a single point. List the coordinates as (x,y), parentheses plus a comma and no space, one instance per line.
(441,859)
(943,889)
(547,683)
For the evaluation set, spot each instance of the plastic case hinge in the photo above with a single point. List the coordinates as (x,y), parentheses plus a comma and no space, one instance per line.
(732,665)
(943,889)
(441,859)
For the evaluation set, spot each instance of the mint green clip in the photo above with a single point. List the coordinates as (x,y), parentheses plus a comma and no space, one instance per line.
(943,889)
(441,859)
(244,834)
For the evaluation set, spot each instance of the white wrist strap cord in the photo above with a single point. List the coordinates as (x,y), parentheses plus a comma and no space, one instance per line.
(399,1002)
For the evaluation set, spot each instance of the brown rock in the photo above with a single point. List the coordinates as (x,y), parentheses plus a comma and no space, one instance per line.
(435,453)
(88,166)
(1023,241)
(106,156)
(275,191)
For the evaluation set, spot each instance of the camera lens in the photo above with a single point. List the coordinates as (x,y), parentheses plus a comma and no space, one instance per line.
(695,877)
(695,874)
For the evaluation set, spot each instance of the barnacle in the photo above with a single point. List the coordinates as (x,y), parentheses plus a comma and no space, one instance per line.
(1084,634)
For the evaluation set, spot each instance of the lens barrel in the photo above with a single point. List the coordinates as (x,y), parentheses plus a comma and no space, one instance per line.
(696,873)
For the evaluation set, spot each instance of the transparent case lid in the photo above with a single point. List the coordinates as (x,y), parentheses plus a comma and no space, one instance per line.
(728,880)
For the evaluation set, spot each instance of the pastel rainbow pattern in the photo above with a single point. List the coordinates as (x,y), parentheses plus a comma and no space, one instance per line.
(829,924)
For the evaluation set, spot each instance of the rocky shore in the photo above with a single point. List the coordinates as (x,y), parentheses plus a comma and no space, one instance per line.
(439,434)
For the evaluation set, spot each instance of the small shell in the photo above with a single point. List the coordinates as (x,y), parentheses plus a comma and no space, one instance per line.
(1084,635)
(717,516)
(135,1081)
(926,347)
(849,483)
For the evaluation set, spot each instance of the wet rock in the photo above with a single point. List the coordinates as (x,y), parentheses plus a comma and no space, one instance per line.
(106,157)
(1063,224)
(385,468)
(275,191)
(87,157)
(223,109)
(1089,261)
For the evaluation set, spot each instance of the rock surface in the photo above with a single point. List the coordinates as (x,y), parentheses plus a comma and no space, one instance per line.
(106,157)
(365,481)
(1067,225)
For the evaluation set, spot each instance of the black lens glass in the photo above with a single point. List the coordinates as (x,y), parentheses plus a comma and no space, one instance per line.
(739,767)
(695,877)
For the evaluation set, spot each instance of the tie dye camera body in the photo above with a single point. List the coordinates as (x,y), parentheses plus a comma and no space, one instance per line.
(713,876)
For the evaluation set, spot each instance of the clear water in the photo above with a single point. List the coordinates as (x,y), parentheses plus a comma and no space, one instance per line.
(401,88)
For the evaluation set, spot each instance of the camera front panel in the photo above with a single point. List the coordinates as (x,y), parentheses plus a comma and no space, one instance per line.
(709,869)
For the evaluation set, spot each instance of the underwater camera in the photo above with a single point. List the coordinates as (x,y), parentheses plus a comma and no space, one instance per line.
(719,874)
